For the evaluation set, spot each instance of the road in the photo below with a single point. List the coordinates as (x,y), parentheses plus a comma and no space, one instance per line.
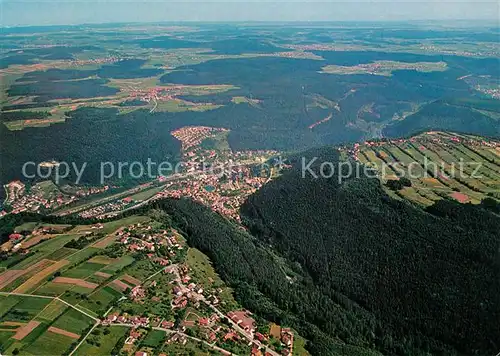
(170,331)
(235,326)
(85,337)
(135,190)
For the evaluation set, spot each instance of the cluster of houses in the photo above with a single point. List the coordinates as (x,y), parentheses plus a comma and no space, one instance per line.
(243,319)
(134,320)
(103,60)
(37,200)
(108,209)
(193,136)
(139,237)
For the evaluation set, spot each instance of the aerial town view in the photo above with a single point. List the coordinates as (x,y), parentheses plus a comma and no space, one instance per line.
(249,178)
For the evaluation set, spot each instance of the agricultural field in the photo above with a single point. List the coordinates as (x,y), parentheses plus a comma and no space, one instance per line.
(135,268)
(440,165)
(39,325)
(102,341)
(385,68)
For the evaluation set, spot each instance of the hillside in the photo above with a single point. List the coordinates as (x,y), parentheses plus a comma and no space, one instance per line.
(121,287)
(479,116)
(428,278)
(439,165)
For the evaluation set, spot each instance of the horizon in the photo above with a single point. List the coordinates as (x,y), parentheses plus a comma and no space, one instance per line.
(27,13)
(484,22)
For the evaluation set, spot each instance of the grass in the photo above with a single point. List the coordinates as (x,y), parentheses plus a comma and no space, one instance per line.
(5,339)
(154,339)
(114,225)
(7,303)
(44,249)
(146,194)
(35,333)
(52,311)
(73,321)
(83,270)
(191,348)
(26,309)
(53,289)
(28,226)
(50,344)
(83,254)
(299,346)
(142,269)
(435,160)
(107,342)
(60,253)
(121,263)
(99,301)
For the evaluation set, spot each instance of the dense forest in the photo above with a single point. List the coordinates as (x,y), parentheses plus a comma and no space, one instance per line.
(451,115)
(429,278)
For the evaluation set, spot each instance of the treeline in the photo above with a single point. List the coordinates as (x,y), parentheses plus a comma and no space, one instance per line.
(11,221)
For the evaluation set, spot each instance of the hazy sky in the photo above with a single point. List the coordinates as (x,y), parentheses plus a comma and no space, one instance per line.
(50,12)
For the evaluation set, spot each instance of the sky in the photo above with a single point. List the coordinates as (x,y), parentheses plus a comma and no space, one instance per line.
(58,12)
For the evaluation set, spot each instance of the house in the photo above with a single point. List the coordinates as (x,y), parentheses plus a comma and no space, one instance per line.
(178,338)
(230,336)
(203,322)
(245,322)
(259,336)
(141,353)
(15,237)
(188,323)
(256,352)
(286,339)
(212,337)
(167,324)
(177,291)
(111,318)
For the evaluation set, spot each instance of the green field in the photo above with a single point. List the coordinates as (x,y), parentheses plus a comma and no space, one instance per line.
(83,270)
(99,301)
(118,265)
(73,321)
(25,309)
(7,303)
(154,339)
(49,344)
(436,159)
(107,342)
(61,253)
(83,254)
(45,249)
(52,311)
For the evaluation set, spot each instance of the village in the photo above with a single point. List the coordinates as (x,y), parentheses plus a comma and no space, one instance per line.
(198,312)
(215,176)
(42,197)
(170,290)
